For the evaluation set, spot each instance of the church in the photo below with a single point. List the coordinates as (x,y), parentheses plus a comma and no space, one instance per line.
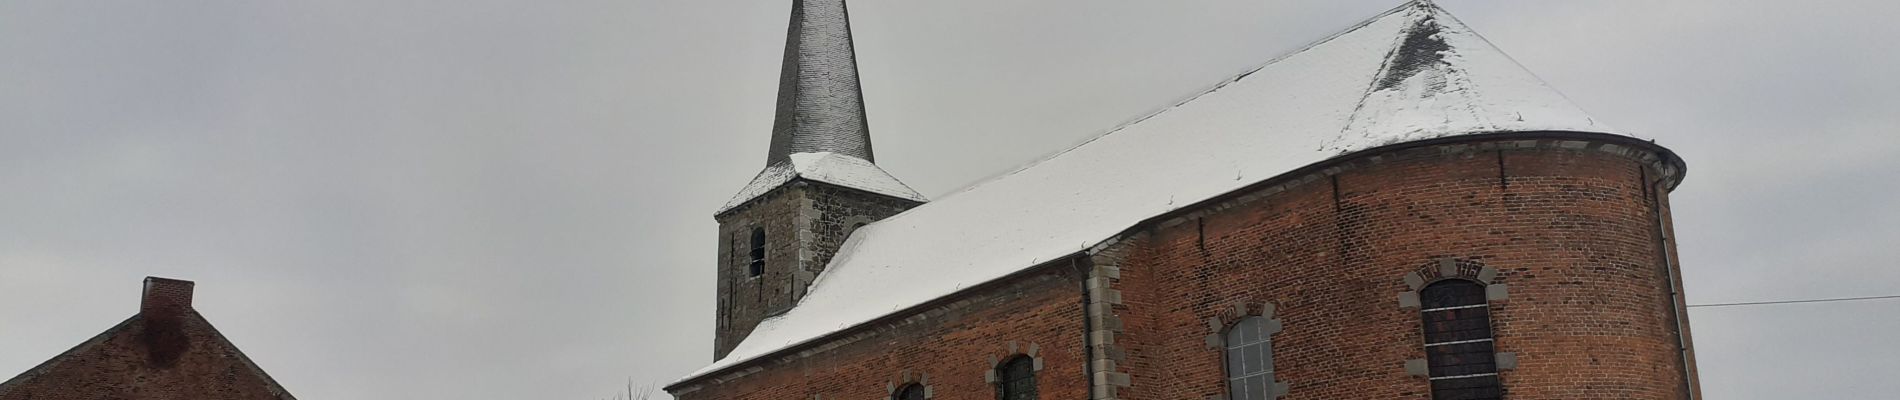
(1398,211)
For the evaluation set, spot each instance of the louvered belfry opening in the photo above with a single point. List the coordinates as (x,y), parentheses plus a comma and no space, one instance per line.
(755,266)
(1458,344)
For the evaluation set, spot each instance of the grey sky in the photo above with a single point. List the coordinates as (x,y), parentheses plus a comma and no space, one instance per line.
(485,199)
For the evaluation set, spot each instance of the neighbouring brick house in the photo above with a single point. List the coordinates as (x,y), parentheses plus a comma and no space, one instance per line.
(165,352)
(1397,211)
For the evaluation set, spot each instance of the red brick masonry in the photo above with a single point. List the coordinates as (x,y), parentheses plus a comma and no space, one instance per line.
(1566,228)
(166,352)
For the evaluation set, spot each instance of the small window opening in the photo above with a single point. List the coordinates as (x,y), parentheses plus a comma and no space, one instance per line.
(1016,379)
(757,265)
(1459,349)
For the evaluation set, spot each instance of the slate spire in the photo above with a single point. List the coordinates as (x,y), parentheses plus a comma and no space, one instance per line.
(820,104)
(820,133)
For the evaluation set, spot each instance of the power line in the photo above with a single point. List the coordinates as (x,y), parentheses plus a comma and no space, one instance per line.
(1760,303)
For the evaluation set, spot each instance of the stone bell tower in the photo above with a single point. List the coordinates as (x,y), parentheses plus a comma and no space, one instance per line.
(818,186)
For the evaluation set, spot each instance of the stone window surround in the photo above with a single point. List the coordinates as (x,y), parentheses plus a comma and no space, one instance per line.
(905,380)
(1011,352)
(1446,268)
(1217,327)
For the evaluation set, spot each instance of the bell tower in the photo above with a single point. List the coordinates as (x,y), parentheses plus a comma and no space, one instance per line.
(818,186)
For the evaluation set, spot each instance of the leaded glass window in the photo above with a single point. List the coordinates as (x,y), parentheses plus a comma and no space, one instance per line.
(1016,379)
(1458,346)
(1250,360)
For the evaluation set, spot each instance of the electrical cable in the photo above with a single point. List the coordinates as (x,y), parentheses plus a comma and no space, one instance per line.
(1763,303)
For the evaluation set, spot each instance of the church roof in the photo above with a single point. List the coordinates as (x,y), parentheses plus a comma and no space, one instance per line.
(1409,74)
(832,168)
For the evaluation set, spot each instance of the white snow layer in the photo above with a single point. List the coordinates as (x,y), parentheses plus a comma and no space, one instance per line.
(1409,74)
(827,167)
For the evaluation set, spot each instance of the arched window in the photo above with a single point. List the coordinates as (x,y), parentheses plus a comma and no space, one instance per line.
(1458,347)
(757,265)
(910,392)
(1250,360)
(1016,379)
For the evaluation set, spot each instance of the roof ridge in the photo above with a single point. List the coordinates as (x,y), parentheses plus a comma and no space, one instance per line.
(1385,69)
(1190,97)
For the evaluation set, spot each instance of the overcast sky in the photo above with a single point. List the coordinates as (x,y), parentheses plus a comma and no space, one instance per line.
(488,199)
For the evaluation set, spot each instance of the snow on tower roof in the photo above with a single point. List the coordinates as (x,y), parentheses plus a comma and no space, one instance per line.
(820,115)
(1409,74)
(832,168)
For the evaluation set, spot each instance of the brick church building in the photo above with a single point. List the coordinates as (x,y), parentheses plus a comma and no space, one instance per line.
(1398,211)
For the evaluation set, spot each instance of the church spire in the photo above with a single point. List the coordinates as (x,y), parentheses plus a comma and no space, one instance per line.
(820,134)
(818,186)
(820,104)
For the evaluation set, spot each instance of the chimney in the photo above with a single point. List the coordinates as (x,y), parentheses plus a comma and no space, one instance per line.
(163,310)
(165,298)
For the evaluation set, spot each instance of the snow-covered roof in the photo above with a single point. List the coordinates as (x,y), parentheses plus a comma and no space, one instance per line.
(1409,74)
(832,168)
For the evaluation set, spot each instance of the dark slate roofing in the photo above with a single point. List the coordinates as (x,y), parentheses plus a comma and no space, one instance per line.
(820,104)
(820,133)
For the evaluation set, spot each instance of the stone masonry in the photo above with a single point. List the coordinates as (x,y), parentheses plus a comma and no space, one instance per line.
(805,222)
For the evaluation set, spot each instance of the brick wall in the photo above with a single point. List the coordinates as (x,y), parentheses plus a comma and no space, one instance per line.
(1563,231)
(166,352)
(1567,226)
(123,367)
(948,347)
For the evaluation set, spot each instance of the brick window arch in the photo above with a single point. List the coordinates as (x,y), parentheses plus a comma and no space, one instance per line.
(1454,298)
(1016,379)
(910,392)
(1460,355)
